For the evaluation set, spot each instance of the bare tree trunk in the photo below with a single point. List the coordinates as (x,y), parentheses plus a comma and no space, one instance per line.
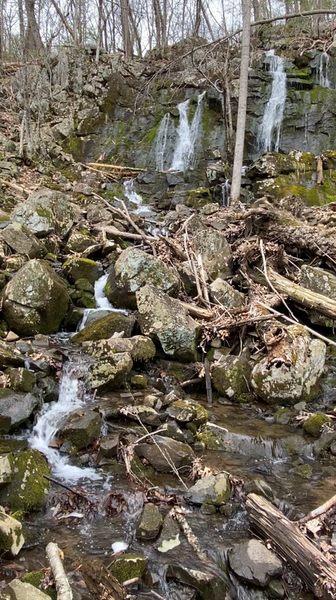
(100,28)
(63,19)
(124,6)
(136,35)
(256,11)
(198,17)
(242,103)
(33,37)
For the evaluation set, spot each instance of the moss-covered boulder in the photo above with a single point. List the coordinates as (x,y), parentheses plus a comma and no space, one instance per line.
(198,198)
(215,490)
(35,300)
(110,374)
(295,377)
(15,408)
(82,268)
(313,425)
(128,566)
(231,375)
(47,211)
(150,523)
(168,321)
(11,538)
(185,411)
(28,489)
(81,428)
(104,328)
(139,347)
(223,293)
(215,251)
(133,269)
(21,380)
(10,356)
(22,241)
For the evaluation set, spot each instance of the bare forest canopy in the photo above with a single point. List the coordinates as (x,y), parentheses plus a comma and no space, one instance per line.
(34,27)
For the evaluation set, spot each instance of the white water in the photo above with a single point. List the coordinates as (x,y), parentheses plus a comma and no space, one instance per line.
(323,70)
(270,129)
(130,193)
(70,398)
(187,136)
(102,303)
(226,191)
(161,141)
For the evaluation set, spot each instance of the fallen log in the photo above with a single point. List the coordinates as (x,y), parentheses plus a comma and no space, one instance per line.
(116,167)
(17,188)
(309,563)
(63,588)
(99,581)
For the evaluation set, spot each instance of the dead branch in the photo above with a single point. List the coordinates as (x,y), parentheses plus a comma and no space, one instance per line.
(17,188)
(63,588)
(317,512)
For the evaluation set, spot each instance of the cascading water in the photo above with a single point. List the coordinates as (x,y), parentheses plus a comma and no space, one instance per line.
(323,70)
(226,191)
(161,141)
(270,129)
(102,303)
(187,136)
(71,396)
(130,192)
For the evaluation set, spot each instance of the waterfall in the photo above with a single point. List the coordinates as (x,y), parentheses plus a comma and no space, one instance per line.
(323,70)
(102,303)
(71,395)
(269,133)
(161,141)
(130,192)
(187,136)
(226,191)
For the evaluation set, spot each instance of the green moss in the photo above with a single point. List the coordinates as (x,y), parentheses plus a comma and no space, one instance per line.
(104,328)
(209,439)
(198,198)
(129,566)
(313,425)
(44,213)
(74,146)
(35,578)
(29,488)
(304,471)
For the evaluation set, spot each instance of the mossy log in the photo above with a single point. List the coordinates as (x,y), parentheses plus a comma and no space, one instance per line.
(309,563)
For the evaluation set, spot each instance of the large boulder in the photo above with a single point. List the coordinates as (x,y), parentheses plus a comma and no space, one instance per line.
(293,375)
(215,250)
(254,563)
(166,453)
(47,211)
(139,347)
(35,300)
(11,538)
(215,490)
(22,241)
(322,282)
(15,409)
(82,268)
(81,428)
(133,269)
(28,488)
(104,328)
(110,374)
(230,376)
(10,356)
(165,319)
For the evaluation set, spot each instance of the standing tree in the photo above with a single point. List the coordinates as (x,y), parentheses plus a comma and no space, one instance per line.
(242,103)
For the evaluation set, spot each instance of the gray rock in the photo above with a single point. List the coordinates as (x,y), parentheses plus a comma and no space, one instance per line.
(322,282)
(109,445)
(11,538)
(231,375)
(110,374)
(21,380)
(82,268)
(49,388)
(35,300)
(95,315)
(21,240)
(105,328)
(222,292)
(79,242)
(215,490)
(81,428)
(170,536)
(133,270)
(6,471)
(15,409)
(150,523)
(138,346)
(10,356)
(254,563)
(17,590)
(211,584)
(172,430)
(215,251)
(145,414)
(168,321)
(259,486)
(180,454)
(186,411)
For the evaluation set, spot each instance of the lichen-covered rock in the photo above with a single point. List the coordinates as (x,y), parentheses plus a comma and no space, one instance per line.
(215,251)
(215,490)
(17,590)
(104,328)
(222,292)
(198,197)
(128,566)
(272,164)
(47,211)
(81,428)
(110,374)
(211,584)
(150,523)
(6,473)
(254,563)
(79,241)
(15,409)
(185,411)
(139,347)
(322,282)
(231,375)
(28,489)
(143,414)
(82,268)
(21,380)
(178,453)
(35,300)
(11,538)
(296,376)
(168,321)
(170,536)
(313,425)
(133,269)
(10,356)
(21,240)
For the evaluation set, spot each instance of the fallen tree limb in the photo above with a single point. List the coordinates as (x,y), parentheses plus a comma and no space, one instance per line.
(116,167)
(17,188)
(196,311)
(63,588)
(309,563)
(320,510)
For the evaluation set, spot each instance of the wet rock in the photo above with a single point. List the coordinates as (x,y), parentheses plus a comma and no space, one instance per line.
(259,486)
(145,414)
(230,376)
(296,377)
(109,445)
(185,411)
(168,321)
(222,292)
(170,536)
(150,523)
(314,424)
(275,589)
(198,198)
(215,251)
(17,590)
(180,454)
(283,416)
(214,490)
(10,356)
(82,268)
(15,409)
(172,430)
(110,374)
(21,380)
(304,471)
(9,445)
(35,300)
(28,489)
(133,269)
(47,211)
(22,241)
(104,328)
(128,566)
(6,473)
(81,428)
(49,388)
(324,442)
(11,538)
(254,563)
(138,346)
(211,584)
(78,242)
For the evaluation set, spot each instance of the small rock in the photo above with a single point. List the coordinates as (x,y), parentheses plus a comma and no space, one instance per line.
(11,538)
(211,584)
(145,414)
(215,490)
(275,589)
(109,445)
(49,388)
(11,337)
(222,292)
(6,471)
(128,566)
(24,591)
(170,536)
(313,425)
(182,411)
(150,523)
(180,454)
(104,328)
(22,241)
(82,268)
(139,382)
(259,486)
(254,563)
(15,409)
(305,471)
(283,416)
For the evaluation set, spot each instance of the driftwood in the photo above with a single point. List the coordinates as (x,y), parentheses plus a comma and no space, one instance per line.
(310,564)
(99,581)
(196,311)
(63,588)
(320,510)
